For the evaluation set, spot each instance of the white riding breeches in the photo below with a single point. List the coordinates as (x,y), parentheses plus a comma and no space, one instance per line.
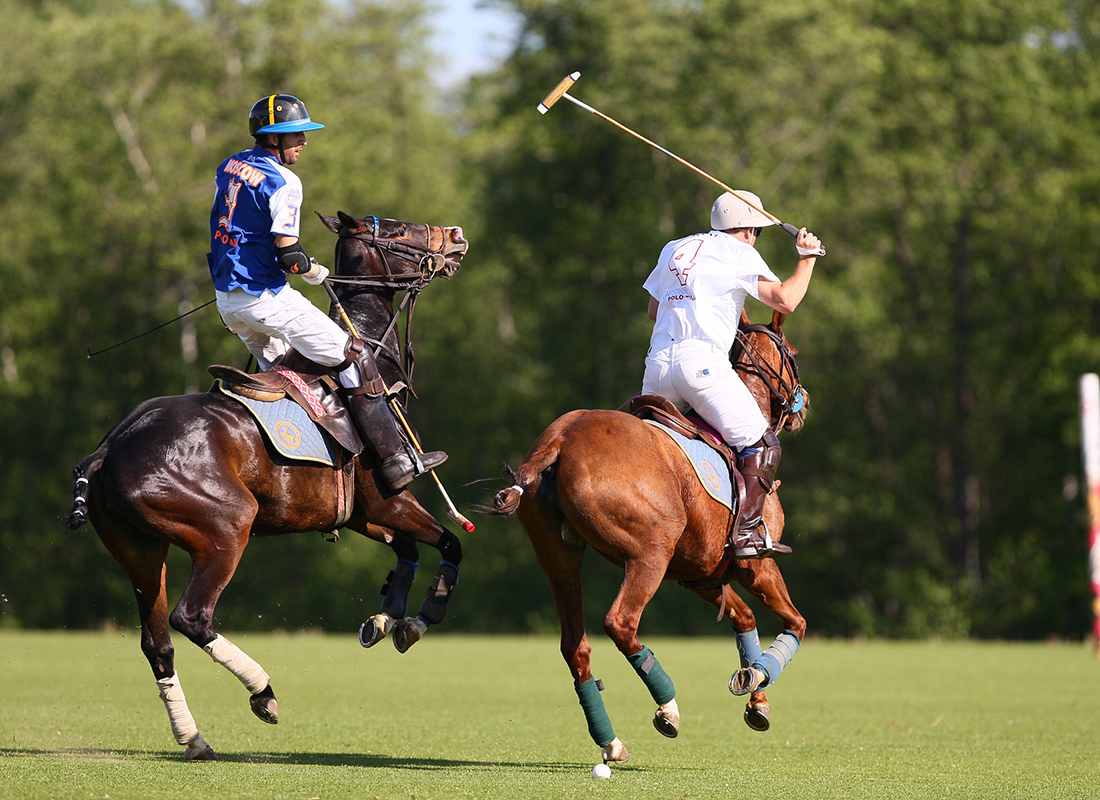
(698,375)
(272,323)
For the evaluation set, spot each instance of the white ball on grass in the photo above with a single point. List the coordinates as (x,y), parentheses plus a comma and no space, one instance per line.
(601,771)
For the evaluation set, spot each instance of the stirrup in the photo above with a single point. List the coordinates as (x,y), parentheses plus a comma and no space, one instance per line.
(759,545)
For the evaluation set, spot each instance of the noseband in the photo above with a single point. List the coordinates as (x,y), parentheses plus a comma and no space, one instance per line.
(787,393)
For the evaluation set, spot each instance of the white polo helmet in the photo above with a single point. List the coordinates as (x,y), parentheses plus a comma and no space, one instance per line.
(730,211)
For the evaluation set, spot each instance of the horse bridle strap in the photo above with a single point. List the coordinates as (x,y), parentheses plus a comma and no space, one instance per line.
(789,395)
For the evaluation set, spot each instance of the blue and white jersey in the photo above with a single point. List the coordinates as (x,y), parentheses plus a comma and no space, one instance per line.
(256,198)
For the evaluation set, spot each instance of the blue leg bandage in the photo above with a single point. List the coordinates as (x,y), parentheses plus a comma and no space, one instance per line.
(748,646)
(776,657)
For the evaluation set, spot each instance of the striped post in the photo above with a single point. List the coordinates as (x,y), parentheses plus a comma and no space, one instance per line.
(1090,448)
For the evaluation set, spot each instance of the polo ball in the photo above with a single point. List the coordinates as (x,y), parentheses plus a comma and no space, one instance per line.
(601,771)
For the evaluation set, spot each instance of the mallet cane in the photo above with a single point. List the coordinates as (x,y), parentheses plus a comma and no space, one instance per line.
(562,90)
(452,512)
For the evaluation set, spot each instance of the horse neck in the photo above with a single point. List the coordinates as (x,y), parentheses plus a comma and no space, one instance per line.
(371,313)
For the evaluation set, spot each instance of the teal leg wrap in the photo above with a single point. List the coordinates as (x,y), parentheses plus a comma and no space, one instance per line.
(651,672)
(599,724)
(748,647)
(776,657)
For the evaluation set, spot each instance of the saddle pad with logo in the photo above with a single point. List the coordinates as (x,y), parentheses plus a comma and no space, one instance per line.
(709,465)
(289,428)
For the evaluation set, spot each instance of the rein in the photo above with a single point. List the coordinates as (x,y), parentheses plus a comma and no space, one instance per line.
(429,262)
(790,396)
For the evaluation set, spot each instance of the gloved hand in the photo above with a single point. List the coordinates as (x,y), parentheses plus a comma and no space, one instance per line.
(808,245)
(316,274)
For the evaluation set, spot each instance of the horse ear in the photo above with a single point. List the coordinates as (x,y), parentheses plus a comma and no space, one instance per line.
(745,321)
(332,223)
(348,221)
(777,321)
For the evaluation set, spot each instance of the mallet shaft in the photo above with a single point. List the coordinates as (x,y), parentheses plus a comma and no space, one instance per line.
(561,90)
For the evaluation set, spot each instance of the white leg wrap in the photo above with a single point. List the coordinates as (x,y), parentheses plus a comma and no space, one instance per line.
(238,662)
(183,724)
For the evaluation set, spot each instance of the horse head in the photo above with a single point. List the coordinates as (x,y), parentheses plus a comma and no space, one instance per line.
(767,363)
(393,250)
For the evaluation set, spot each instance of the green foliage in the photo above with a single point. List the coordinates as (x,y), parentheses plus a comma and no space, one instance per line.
(946,152)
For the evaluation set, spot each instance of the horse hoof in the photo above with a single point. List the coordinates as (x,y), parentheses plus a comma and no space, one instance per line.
(199,750)
(374,630)
(407,632)
(667,720)
(615,753)
(265,706)
(746,681)
(758,717)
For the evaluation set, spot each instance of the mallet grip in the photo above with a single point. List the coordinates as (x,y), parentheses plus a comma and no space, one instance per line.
(558,91)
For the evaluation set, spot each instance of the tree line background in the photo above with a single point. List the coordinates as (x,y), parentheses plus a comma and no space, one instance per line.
(946,151)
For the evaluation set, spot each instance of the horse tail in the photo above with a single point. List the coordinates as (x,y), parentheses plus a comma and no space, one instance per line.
(506,501)
(542,457)
(83,473)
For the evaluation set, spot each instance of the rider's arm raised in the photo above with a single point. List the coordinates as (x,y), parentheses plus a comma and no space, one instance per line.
(784,297)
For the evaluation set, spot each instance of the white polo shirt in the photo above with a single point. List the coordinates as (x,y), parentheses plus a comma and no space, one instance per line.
(700,283)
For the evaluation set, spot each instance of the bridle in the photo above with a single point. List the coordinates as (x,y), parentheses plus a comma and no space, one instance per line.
(430,262)
(788,394)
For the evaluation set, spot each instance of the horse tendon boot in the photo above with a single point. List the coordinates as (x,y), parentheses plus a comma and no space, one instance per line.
(757,463)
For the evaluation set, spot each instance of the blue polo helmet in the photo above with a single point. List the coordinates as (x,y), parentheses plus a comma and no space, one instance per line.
(280,113)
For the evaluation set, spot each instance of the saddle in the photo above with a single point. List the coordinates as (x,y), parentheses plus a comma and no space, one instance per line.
(310,385)
(660,410)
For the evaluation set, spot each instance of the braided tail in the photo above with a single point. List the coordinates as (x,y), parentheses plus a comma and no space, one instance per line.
(506,501)
(79,515)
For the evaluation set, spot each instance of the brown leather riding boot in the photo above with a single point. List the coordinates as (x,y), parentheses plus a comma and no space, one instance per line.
(399,465)
(757,464)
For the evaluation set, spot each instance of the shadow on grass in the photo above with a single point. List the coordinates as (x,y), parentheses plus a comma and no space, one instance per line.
(361,760)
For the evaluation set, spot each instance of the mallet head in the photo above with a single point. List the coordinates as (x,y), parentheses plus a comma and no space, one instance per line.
(558,91)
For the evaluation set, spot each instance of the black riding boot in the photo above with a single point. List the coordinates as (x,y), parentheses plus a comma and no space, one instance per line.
(379,431)
(757,464)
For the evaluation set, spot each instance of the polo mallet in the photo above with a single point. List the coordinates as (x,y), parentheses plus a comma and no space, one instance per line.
(452,512)
(562,90)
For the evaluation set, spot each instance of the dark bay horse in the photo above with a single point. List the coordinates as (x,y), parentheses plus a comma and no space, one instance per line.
(610,481)
(194,471)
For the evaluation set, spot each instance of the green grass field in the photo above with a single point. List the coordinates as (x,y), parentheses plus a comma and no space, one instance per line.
(496,717)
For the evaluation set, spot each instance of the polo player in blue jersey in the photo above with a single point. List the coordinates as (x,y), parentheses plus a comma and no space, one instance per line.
(254,245)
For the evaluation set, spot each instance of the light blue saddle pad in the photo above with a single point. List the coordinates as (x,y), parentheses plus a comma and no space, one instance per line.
(709,465)
(289,429)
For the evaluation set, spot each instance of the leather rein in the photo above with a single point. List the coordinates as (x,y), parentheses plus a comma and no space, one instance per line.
(789,394)
(429,262)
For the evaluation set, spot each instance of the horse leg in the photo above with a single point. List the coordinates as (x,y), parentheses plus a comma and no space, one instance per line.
(142,557)
(765,581)
(212,565)
(560,558)
(640,583)
(743,622)
(433,609)
(395,593)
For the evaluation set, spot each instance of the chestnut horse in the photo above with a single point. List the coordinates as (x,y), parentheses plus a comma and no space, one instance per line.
(610,481)
(195,471)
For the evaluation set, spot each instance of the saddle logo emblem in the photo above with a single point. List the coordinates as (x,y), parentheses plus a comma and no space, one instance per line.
(288,434)
(710,474)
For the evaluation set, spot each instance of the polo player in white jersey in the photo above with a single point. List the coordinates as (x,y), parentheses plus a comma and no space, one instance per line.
(697,291)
